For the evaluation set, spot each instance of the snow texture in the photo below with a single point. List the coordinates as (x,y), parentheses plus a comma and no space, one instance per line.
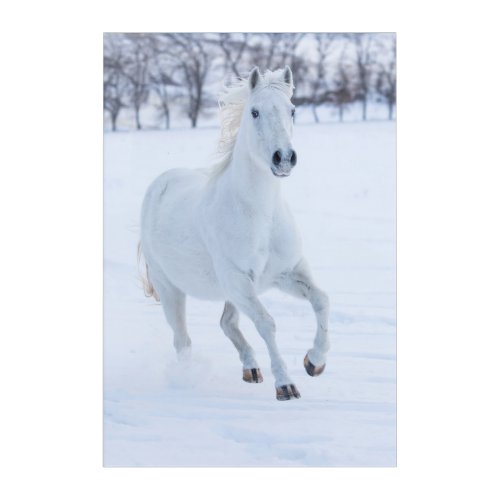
(162,412)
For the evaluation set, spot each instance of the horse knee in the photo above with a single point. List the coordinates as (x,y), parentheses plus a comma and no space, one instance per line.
(266,325)
(321,301)
(229,317)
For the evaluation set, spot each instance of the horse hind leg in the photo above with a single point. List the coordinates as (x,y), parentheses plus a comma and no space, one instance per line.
(229,325)
(173,302)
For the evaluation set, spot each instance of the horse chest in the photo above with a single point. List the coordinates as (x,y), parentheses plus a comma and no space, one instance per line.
(259,258)
(254,245)
(273,252)
(255,236)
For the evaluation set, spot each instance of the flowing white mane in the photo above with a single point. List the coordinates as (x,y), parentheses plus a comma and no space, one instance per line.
(232,102)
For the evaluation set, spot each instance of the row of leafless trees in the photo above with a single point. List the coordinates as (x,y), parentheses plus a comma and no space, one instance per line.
(184,70)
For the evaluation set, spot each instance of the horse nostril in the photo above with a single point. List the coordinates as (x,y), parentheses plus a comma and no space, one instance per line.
(293,158)
(277,158)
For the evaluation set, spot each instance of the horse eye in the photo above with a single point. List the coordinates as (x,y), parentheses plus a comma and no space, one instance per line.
(293,113)
(255,113)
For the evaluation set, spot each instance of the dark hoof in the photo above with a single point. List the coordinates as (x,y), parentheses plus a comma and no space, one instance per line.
(286,392)
(312,370)
(252,376)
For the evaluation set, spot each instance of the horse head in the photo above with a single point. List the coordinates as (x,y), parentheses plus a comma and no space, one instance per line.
(267,121)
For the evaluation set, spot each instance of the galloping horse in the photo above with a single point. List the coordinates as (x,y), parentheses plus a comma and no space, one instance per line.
(225,233)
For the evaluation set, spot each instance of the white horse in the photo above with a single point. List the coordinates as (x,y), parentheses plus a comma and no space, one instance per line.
(225,233)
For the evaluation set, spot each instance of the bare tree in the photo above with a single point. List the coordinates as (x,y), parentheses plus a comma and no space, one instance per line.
(270,51)
(160,80)
(286,53)
(115,83)
(170,70)
(385,84)
(342,94)
(137,71)
(291,56)
(362,43)
(161,75)
(319,86)
(233,46)
(255,50)
(288,47)
(272,42)
(194,62)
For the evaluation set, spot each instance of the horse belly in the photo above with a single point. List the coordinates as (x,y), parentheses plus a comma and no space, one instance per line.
(192,273)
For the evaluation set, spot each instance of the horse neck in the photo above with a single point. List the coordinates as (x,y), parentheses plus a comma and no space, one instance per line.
(250,184)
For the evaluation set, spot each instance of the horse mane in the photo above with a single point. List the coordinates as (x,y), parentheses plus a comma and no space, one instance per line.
(232,102)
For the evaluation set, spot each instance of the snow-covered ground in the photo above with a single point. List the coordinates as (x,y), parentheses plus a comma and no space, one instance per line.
(159,412)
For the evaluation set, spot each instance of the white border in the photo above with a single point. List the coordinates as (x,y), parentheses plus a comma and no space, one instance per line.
(447,251)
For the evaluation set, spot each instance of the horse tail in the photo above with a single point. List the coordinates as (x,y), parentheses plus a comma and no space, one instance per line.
(149,290)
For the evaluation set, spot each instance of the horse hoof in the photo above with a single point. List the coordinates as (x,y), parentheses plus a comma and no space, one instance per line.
(312,370)
(252,376)
(286,392)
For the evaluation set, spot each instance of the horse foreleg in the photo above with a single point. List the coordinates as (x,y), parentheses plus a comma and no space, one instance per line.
(229,325)
(299,283)
(240,291)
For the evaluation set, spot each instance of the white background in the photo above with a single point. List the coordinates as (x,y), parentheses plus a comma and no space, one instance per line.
(448,272)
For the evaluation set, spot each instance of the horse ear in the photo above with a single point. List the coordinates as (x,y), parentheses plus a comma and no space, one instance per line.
(254,78)
(287,75)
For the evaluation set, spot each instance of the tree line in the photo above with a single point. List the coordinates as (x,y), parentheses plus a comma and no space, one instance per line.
(183,71)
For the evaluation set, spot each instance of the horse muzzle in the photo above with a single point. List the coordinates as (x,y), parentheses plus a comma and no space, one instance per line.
(281,172)
(282,163)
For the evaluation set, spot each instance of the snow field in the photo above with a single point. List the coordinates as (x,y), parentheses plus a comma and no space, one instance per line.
(161,412)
